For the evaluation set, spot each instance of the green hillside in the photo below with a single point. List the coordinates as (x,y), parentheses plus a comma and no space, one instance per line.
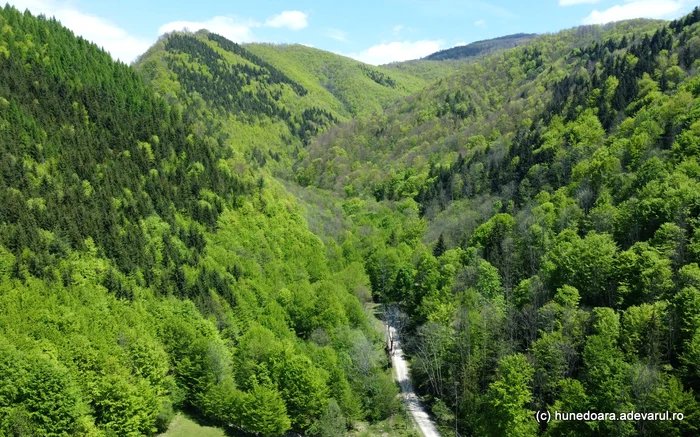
(358,87)
(481,47)
(556,186)
(269,100)
(202,243)
(430,71)
(147,268)
(435,124)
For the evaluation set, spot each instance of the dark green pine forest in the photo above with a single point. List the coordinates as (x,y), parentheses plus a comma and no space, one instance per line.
(215,232)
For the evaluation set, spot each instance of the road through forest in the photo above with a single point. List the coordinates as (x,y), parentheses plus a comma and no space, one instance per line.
(414,405)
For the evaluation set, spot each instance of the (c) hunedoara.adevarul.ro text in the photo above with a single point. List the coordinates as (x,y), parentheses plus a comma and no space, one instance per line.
(547,416)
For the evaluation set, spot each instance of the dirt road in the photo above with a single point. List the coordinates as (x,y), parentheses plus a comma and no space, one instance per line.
(414,405)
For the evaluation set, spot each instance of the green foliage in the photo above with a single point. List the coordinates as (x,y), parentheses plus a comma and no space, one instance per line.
(572,398)
(264,412)
(303,388)
(331,424)
(587,264)
(123,408)
(564,172)
(22,412)
(145,265)
(532,214)
(348,86)
(507,397)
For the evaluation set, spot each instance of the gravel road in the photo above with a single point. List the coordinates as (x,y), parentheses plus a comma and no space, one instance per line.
(414,405)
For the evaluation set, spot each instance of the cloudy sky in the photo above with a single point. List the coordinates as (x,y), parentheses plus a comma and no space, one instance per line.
(374,31)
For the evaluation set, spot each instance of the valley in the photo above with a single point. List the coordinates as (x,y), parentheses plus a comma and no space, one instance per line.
(203,241)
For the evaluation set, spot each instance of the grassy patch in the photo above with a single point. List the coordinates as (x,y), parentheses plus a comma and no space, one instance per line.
(183,426)
(398,425)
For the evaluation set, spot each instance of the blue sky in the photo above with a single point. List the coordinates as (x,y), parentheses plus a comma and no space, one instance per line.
(373,31)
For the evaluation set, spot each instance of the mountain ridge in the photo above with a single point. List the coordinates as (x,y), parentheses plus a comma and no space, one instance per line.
(481,47)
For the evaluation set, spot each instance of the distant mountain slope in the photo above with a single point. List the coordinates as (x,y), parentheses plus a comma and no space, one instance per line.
(428,70)
(359,87)
(485,97)
(482,47)
(269,99)
(295,76)
(445,62)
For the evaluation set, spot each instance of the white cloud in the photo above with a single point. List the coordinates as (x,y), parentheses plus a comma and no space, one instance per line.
(337,34)
(576,2)
(293,20)
(397,51)
(400,28)
(235,29)
(91,27)
(480,23)
(636,9)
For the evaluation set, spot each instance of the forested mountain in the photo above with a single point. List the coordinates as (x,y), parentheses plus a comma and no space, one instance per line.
(556,186)
(269,100)
(434,124)
(360,88)
(481,47)
(213,231)
(145,267)
(445,62)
